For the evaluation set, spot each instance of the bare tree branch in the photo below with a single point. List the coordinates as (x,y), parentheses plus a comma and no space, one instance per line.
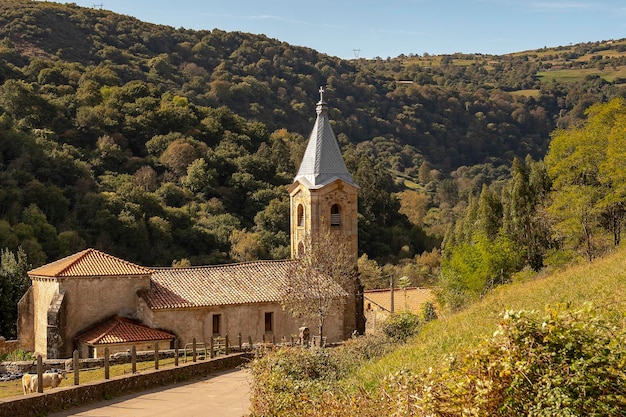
(320,279)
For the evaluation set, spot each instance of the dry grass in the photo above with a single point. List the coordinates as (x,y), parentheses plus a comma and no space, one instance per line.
(602,283)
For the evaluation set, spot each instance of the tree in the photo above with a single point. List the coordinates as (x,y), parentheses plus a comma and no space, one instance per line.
(522,199)
(13,284)
(476,266)
(246,246)
(414,205)
(586,174)
(612,173)
(489,213)
(178,156)
(370,273)
(201,178)
(321,279)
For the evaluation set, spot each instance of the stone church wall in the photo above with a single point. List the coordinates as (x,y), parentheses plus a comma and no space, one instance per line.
(90,301)
(26,321)
(249,320)
(44,291)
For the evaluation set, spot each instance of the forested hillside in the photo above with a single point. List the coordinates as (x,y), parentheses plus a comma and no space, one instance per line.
(159,144)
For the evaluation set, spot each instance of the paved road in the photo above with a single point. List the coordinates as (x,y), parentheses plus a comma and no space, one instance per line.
(218,395)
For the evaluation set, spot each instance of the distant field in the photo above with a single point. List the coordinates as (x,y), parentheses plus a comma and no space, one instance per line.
(572,75)
(527,93)
(606,50)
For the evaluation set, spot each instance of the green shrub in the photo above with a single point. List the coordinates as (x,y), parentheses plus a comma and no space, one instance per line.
(558,259)
(295,381)
(569,363)
(428,312)
(400,326)
(566,364)
(17,355)
(286,380)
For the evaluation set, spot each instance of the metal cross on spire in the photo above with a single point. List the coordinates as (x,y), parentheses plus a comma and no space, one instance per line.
(321,94)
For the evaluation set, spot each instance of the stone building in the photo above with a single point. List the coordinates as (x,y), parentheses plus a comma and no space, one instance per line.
(323,194)
(73,294)
(380,304)
(78,301)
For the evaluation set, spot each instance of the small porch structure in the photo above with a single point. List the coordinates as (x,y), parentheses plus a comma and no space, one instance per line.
(119,335)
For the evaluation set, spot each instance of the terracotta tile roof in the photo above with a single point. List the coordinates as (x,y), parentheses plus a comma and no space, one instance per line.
(415,298)
(243,283)
(122,330)
(88,263)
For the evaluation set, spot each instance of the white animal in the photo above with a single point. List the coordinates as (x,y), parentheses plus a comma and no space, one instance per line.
(50,380)
(26,383)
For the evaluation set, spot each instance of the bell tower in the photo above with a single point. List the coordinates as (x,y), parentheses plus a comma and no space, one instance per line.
(323,195)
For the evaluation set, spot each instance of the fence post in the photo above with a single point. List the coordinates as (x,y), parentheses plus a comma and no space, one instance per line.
(292,345)
(193,349)
(274,339)
(227,347)
(156,355)
(133,358)
(239,337)
(250,342)
(39,374)
(76,362)
(106,363)
(175,352)
(211,346)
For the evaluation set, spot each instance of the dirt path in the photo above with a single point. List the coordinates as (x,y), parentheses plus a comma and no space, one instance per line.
(218,395)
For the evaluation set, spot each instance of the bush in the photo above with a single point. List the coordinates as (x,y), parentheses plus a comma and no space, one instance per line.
(569,363)
(296,381)
(287,380)
(17,355)
(428,312)
(400,326)
(566,364)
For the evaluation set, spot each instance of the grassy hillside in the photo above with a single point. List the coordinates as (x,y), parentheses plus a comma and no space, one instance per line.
(564,355)
(602,283)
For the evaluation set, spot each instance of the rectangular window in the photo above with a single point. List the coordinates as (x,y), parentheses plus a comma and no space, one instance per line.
(217,323)
(335,215)
(269,322)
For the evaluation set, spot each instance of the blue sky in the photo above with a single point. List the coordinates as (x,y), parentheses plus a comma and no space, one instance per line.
(388,28)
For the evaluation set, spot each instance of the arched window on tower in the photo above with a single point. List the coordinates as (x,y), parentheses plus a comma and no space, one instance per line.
(335,215)
(300,215)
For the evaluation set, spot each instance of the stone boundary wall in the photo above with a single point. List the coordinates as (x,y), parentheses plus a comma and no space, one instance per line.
(7,346)
(67,397)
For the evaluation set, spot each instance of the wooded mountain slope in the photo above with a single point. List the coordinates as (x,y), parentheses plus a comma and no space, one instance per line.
(158,144)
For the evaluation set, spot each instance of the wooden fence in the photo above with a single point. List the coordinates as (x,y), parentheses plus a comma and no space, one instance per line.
(193,352)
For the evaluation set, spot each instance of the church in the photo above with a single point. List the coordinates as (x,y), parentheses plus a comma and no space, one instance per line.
(91,300)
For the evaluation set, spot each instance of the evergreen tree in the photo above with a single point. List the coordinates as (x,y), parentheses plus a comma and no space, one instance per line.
(522,201)
(13,284)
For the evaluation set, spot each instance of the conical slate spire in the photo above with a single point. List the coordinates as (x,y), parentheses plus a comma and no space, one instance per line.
(322,162)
